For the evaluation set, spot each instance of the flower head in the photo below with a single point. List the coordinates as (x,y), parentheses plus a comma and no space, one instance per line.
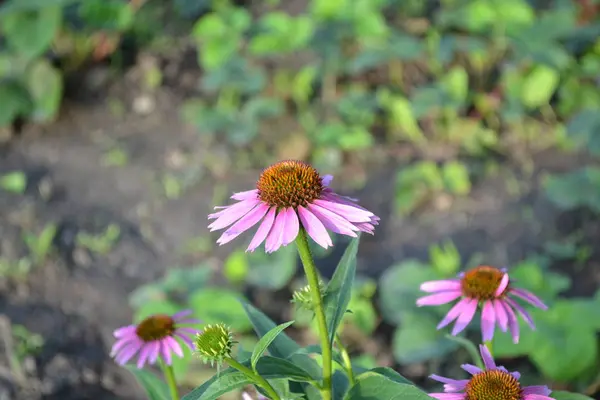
(487,287)
(492,383)
(153,337)
(290,195)
(214,343)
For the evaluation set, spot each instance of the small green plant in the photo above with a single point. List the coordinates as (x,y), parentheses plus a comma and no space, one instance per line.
(14,182)
(40,246)
(100,243)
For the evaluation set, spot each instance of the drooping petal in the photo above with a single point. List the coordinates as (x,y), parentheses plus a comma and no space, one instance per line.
(245,223)
(233,213)
(350,213)
(314,227)
(438,298)
(332,221)
(274,240)
(488,320)
(537,389)
(174,345)
(503,285)
(263,230)
(181,314)
(128,352)
(154,352)
(529,297)
(326,180)
(292,226)
(440,286)
(501,316)
(126,330)
(365,227)
(188,342)
(513,323)
(465,317)
(472,369)
(144,355)
(166,352)
(487,358)
(454,312)
(448,396)
(120,344)
(526,316)
(248,194)
(536,397)
(450,385)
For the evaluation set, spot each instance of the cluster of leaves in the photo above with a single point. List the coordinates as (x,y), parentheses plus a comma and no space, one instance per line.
(41,40)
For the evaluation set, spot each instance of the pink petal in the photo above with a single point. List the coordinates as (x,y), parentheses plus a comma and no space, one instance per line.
(487,358)
(501,316)
(120,344)
(538,389)
(332,221)
(247,222)
(166,352)
(441,286)
(454,312)
(350,213)
(155,351)
(513,324)
(292,226)
(536,397)
(126,330)
(503,285)
(128,352)
(438,298)
(232,214)
(528,297)
(181,314)
(248,194)
(144,354)
(175,346)
(263,230)
(448,396)
(488,320)
(450,385)
(365,227)
(275,238)
(472,369)
(326,180)
(521,311)
(314,227)
(188,342)
(465,317)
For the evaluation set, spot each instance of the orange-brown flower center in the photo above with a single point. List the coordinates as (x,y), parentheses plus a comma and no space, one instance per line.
(155,327)
(289,184)
(481,282)
(493,385)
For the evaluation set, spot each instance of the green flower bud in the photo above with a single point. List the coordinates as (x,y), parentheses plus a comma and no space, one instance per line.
(303,297)
(214,343)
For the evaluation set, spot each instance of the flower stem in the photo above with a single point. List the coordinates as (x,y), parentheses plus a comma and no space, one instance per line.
(346,359)
(313,281)
(257,379)
(470,347)
(171,382)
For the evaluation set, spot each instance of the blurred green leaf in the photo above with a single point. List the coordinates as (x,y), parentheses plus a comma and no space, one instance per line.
(236,267)
(445,258)
(15,102)
(154,387)
(561,395)
(418,339)
(363,315)
(213,305)
(281,33)
(580,188)
(107,14)
(30,32)
(265,341)
(327,9)
(272,271)
(45,85)
(155,307)
(15,182)
(539,86)
(456,178)
(584,128)
(415,183)
(371,385)
(456,82)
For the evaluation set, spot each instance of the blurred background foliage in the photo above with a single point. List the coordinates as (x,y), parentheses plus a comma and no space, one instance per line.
(464,85)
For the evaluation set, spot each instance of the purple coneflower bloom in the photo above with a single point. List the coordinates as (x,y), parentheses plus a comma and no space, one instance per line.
(153,337)
(487,287)
(290,195)
(492,383)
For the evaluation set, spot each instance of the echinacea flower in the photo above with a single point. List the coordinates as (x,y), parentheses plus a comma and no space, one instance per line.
(492,383)
(290,195)
(486,287)
(153,337)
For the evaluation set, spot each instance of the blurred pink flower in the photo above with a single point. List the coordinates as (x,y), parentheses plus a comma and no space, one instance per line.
(492,383)
(153,337)
(486,287)
(290,195)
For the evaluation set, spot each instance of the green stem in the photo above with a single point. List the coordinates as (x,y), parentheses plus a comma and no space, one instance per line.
(313,281)
(346,359)
(257,379)
(171,382)
(470,347)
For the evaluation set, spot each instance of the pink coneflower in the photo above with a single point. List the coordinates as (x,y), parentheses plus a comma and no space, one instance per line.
(153,337)
(290,195)
(486,287)
(492,383)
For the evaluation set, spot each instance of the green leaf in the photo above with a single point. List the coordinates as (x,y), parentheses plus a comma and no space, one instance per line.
(12,6)
(456,178)
(224,382)
(272,271)
(213,305)
(107,14)
(539,86)
(583,129)
(31,32)
(274,367)
(418,340)
(391,374)
(45,84)
(373,386)
(154,387)
(265,341)
(456,83)
(15,102)
(575,189)
(339,290)
(236,267)
(562,395)
(14,182)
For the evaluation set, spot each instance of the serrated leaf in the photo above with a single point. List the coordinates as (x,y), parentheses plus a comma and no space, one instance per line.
(339,290)
(265,341)
(155,388)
